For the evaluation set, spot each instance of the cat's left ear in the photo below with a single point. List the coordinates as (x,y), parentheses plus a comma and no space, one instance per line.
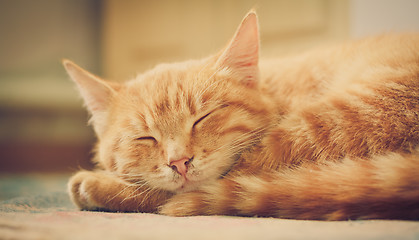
(96,92)
(242,54)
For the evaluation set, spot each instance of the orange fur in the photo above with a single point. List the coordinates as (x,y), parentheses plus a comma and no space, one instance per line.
(330,134)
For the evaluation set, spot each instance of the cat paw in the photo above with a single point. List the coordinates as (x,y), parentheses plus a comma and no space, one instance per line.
(82,187)
(185,204)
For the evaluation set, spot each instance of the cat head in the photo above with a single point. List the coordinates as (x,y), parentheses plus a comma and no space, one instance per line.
(179,125)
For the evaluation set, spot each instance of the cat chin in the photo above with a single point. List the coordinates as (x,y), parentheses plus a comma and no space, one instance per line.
(177,186)
(187,187)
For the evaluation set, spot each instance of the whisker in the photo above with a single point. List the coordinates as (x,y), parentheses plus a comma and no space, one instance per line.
(244,140)
(132,195)
(128,176)
(138,184)
(203,91)
(146,193)
(202,69)
(149,192)
(119,193)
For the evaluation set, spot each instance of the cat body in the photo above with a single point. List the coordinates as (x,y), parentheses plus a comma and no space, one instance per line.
(331,134)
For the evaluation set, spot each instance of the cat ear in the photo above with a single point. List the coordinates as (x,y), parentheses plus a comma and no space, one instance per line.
(95,91)
(97,94)
(242,54)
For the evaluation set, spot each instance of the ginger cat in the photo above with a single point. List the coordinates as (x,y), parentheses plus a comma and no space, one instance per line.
(332,134)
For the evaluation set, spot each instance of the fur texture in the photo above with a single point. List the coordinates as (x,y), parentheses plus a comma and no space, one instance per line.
(331,134)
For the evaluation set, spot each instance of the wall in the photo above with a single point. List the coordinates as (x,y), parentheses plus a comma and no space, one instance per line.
(369,17)
(139,34)
(43,126)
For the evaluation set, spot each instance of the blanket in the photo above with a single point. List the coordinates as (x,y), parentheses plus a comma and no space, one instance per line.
(51,215)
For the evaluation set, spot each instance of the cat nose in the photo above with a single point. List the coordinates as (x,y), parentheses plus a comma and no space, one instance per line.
(180,165)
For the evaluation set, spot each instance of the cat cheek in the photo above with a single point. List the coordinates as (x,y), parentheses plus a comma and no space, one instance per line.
(154,168)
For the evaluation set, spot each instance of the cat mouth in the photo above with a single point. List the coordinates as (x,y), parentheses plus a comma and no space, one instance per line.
(187,185)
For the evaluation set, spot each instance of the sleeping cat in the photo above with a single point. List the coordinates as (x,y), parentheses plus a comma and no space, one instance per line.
(332,134)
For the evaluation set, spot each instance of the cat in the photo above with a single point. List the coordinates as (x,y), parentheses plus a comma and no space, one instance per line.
(331,134)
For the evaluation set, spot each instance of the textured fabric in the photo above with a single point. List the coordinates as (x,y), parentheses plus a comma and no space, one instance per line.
(52,216)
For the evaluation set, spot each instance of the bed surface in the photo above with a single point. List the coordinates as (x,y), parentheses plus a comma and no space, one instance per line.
(39,208)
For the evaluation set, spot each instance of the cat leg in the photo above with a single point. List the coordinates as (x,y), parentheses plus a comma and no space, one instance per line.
(386,187)
(236,196)
(94,190)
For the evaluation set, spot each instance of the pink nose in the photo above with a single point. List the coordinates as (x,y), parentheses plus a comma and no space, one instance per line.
(180,166)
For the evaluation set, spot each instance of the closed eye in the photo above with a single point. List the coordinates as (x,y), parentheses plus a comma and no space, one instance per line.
(206,115)
(200,119)
(149,138)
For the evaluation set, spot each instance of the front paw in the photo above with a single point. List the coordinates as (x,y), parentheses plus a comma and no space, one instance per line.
(82,188)
(186,204)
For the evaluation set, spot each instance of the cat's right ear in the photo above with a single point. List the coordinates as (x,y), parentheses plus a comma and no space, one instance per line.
(95,91)
(241,55)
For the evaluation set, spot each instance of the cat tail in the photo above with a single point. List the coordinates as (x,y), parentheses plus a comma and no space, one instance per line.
(384,187)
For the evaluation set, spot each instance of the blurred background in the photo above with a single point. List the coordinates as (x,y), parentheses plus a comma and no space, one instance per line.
(43,127)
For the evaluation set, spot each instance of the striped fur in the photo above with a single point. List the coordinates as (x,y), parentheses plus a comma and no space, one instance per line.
(331,134)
